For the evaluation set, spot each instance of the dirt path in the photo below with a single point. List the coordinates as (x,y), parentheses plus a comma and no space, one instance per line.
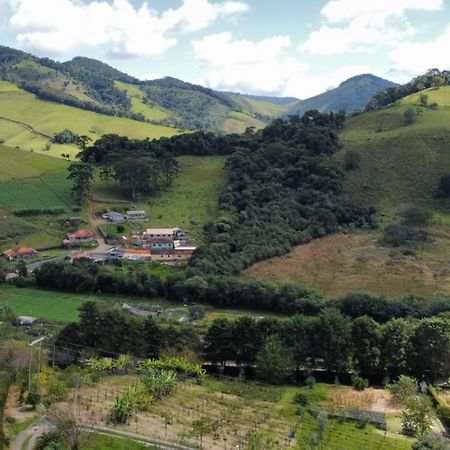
(34,431)
(28,127)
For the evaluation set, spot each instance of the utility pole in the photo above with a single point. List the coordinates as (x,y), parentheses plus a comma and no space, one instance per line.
(31,345)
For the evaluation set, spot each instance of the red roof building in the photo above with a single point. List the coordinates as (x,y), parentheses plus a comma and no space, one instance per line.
(21,253)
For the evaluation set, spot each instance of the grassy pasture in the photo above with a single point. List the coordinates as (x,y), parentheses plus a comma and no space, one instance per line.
(138,105)
(18,164)
(403,163)
(189,203)
(49,118)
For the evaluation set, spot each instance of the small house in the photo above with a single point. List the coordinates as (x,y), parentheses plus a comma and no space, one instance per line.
(135,216)
(161,243)
(114,217)
(20,253)
(79,237)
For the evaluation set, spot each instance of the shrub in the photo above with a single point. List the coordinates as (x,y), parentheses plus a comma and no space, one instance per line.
(300,399)
(416,216)
(310,382)
(359,383)
(397,235)
(409,116)
(443,190)
(352,160)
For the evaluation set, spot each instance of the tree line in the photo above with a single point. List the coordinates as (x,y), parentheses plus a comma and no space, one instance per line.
(330,341)
(135,279)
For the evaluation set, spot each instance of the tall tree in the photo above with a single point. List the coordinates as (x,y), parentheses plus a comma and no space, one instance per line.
(274,363)
(82,175)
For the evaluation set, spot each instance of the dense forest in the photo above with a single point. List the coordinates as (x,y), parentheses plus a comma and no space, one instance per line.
(284,189)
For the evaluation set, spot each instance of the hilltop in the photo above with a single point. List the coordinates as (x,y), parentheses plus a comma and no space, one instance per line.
(352,94)
(92,85)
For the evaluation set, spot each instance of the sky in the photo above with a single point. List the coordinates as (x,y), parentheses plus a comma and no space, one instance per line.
(296,48)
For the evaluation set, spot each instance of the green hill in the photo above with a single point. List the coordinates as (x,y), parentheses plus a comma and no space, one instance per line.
(29,122)
(401,164)
(95,86)
(352,94)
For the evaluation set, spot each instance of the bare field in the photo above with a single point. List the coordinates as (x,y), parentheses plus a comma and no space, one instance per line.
(339,264)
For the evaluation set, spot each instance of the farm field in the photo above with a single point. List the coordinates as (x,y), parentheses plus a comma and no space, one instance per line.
(241,407)
(189,203)
(39,120)
(343,263)
(32,180)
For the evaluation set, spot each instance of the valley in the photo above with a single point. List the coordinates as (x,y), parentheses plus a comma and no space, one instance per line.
(189,268)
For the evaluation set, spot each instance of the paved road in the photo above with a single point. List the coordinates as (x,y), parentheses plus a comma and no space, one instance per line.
(36,265)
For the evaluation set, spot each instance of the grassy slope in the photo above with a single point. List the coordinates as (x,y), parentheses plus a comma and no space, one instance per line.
(399,166)
(402,164)
(49,118)
(254,106)
(137,102)
(189,203)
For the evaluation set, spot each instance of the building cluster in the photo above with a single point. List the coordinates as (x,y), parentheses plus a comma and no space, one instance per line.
(169,245)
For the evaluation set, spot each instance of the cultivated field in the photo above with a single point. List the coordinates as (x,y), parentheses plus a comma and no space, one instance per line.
(37,120)
(343,263)
(240,408)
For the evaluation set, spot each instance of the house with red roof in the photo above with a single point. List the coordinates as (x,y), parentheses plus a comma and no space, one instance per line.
(20,253)
(79,237)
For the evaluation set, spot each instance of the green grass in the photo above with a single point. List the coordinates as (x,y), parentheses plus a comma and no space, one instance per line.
(137,96)
(340,435)
(47,192)
(103,442)
(18,164)
(49,118)
(189,203)
(403,163)
(259,107)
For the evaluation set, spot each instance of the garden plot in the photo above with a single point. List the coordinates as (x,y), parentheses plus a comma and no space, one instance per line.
(171,419)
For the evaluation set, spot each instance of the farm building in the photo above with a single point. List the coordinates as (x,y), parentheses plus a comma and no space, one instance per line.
(20,253)
(171,233)
(114,217)
(139,215)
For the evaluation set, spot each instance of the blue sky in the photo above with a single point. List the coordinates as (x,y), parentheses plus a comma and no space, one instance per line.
(284,47)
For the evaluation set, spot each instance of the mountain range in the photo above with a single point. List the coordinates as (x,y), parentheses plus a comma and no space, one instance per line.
(92,85)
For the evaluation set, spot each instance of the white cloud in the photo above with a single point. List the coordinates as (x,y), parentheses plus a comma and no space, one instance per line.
(341,10)
(262,67)
(411,58)
(354,26)
(61,26)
